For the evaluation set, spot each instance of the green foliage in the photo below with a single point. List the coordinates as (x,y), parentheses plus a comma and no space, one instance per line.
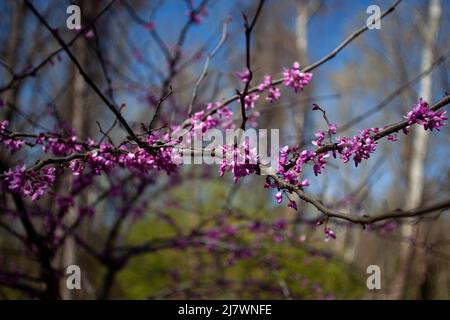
(195,272)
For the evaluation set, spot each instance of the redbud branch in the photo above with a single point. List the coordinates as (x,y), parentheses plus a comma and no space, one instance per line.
(311,67)
(380,134)
(364,219)
(390,129)
(173,61)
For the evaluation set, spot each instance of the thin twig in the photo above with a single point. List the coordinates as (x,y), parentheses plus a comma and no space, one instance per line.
(393,94)
(158,106)
(311,67)
(33,71)
(363,219)
(88,80)
(205,67)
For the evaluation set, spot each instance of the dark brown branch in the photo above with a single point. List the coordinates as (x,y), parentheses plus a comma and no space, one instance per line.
(311,67)
(333,146)
(174,60)
(248,33)
(88,80)
(363,219)
(390,129)
(158,106)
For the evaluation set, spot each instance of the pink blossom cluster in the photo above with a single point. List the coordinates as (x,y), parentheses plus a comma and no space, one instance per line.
(289,173)
(320,135)
(12,144)
(223,117)
(273,92)
(226,117)
(136,159)
(250,100)
(201,121)
(61,147)
(241,160)
(422,114)
(30,183)
(292,160)
(243,75)
(201,124)
(329,234)
(102,159)
(77,167)
(359,147)
(296,79)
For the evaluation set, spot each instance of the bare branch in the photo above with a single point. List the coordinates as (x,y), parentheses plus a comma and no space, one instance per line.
(205,67)
(33,71)
(88,80)
(363,219)
(311,67)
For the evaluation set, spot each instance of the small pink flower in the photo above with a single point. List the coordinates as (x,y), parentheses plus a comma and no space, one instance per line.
(250,100)
(89,33)
(279,197)
(332,128)
(274,94)
(305,183)
(292,204)
(392,137)
(150,26)
(329,234)
(423,115)
(296,79)
(244,75)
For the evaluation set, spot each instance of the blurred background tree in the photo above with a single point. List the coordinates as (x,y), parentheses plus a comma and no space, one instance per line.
(194,235)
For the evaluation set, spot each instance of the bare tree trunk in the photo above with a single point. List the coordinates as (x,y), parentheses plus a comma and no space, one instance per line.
(78,102)
(11,55)
(301,31)
(416,171)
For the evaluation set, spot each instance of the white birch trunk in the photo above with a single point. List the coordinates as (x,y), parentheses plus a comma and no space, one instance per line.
(418,156)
